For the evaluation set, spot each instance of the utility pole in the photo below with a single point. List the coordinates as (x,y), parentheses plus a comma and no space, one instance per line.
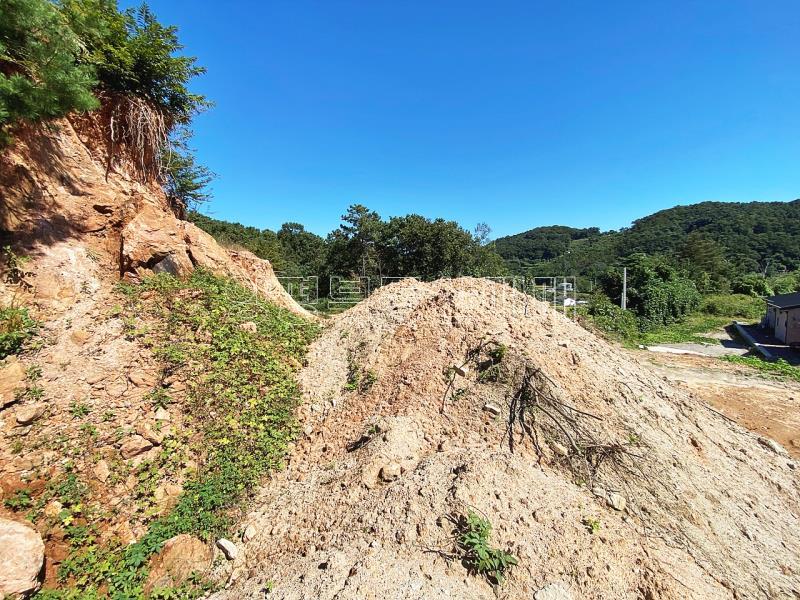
(624,300)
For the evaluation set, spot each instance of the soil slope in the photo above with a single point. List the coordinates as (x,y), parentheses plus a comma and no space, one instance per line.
(602,478)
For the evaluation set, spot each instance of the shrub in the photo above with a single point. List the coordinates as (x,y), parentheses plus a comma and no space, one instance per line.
(16,326)
(751,285)
(610,318)
(665,302)
(39,77)
(733,305)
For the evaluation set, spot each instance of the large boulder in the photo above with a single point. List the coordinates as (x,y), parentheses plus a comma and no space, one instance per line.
(180,556)
(21,558)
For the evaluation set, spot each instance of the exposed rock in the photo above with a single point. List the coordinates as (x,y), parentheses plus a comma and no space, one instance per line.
(461,370)
(773,445)
(25,415)
(12,378)
(492,408)
(21,558)
(617,501)
(553,591)
(148,433)
(390,472)
(134,446)
(79,336)
(101,470)
(249,327)
(180,556)
(559,449)
(249,533)
(142,378)
(228,548)
(162,414)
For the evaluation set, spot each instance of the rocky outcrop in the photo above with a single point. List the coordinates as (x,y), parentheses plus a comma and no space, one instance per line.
(180,556)
(57,186)
(21,558)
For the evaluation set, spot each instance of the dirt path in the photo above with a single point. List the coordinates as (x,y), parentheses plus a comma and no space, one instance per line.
(770,407)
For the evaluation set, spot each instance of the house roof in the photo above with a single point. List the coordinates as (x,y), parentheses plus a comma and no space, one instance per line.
(784,301)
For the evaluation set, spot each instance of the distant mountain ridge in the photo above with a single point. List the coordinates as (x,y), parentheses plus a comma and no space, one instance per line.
(753,236)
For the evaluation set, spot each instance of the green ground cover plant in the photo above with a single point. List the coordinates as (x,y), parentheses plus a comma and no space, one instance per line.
(242,401)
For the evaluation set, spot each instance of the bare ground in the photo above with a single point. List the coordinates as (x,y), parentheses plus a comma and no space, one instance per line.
(768,406)
(688,503)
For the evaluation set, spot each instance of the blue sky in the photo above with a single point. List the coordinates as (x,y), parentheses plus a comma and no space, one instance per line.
(515,113)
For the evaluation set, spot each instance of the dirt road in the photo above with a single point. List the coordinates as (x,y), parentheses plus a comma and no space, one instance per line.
(770,407)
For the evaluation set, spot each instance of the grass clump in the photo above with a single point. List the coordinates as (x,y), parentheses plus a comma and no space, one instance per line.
(16,327)
(480,558)
(778,368)
(241,399)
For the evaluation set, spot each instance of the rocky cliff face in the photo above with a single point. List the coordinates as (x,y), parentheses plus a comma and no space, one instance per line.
(58,186)
(80,401)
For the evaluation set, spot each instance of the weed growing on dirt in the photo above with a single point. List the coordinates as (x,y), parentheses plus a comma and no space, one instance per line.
(241,397)
(780,367)
(592,524)
(480,558)
(16,327)
(19,501)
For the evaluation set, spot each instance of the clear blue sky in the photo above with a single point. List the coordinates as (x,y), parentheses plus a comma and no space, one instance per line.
(515,113)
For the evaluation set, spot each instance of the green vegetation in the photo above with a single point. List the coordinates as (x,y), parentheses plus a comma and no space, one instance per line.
(714,312)
(71,55)
(473,542)
(242,400)
(715,241)
(40,77)
(16,327)
(366,246)
(779,368)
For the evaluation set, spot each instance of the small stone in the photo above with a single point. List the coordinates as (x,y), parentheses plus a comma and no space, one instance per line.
(148,433)
(390,472)
(79,336)
(101,470)
(141,378)
(162,414)
(492,408)
(25,415)
(95,378)
(249,327)
(616,501)
(564,344)
(228,548)
(53,509)
(249,533)
(773,445)
(134,446)
(553,591)
(21,558)
(560,449)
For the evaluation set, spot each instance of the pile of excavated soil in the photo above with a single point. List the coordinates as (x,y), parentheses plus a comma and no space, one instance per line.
(604,480)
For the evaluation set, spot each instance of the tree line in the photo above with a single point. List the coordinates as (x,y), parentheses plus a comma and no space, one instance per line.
(367,245)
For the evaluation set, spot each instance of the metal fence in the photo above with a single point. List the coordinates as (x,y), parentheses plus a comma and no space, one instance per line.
(561,292)
(304,290)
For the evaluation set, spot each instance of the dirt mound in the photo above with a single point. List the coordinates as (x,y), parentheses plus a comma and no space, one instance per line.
(430,400)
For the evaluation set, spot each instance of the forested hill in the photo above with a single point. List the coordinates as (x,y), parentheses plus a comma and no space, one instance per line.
(749,236)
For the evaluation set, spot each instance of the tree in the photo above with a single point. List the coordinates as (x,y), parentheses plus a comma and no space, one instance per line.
(39,76)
